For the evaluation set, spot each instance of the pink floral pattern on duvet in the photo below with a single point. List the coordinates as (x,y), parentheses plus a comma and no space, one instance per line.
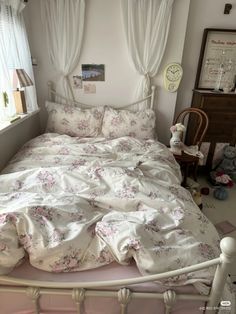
(75,204)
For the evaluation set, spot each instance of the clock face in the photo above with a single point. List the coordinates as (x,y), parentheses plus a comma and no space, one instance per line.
(172,76)
(174,73)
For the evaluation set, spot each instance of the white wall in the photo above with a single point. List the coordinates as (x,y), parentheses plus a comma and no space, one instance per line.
(13,138)
(104,42)
(202,14)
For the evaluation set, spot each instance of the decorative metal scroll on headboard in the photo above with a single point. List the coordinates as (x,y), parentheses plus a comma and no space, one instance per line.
(54,96)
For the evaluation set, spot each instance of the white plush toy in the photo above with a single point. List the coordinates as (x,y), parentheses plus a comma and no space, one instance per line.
(176,144)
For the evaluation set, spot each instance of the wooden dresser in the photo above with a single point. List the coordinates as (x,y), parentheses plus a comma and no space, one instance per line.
(221,111)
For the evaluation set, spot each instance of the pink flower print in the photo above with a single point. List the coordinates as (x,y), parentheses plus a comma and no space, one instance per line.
(105,257)
(64,122)
(127,191)
(134,244)
(82,125)
(68,109)
(69,132)
(132,134)
(153,195)
(124,146)
(74,217)
(26,241)
(206,251)
(67,262)
(97,114)
(64,151)
(90,149)
(106,229)
(160,247)
(47,179)
(116,121)
(151,225)
(72,263)
(41,214)
(76,164)
(17,185)
(95,173)
(5,218)
(57,235)
(177,213)
(3,246)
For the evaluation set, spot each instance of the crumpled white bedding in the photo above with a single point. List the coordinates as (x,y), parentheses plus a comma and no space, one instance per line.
(71,204)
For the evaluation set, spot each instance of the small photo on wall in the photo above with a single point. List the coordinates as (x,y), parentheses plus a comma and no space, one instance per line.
(93,72)
(89,88)
(77,81)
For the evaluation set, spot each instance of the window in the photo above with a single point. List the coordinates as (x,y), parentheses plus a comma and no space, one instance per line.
(14,54)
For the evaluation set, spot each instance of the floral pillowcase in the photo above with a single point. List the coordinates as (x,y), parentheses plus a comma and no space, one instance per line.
(74,121)
(118,123)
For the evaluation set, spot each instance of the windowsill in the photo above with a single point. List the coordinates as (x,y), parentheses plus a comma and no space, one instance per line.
(5,126)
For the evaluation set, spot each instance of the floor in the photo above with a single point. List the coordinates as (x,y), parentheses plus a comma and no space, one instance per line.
(219,210)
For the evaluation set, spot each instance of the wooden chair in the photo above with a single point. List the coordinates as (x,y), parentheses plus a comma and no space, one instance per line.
(197,127)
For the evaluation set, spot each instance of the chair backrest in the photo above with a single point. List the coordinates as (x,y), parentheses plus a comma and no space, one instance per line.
(199,121)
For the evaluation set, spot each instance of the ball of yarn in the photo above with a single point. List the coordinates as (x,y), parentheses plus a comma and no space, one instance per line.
(220,193)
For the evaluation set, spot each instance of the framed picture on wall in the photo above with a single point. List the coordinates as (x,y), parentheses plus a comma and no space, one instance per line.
(217,60)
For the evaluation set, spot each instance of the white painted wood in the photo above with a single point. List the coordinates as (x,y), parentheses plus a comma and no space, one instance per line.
(34,294)
(124,297)
(52,95)
(78,295)
(169,300)
(227,258)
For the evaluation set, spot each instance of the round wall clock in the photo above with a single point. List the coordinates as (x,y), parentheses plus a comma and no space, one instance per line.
(172,76)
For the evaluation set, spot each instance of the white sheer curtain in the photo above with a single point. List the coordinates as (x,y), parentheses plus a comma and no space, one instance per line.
(146,25)
(14,53)
(64,21)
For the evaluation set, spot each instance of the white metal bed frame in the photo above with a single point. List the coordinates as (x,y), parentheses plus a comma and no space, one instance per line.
(52,94)
(80,290)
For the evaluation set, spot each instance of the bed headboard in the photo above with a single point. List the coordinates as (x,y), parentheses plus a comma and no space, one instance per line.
(52,95)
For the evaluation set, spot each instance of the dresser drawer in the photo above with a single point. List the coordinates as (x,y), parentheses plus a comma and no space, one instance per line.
(219,104)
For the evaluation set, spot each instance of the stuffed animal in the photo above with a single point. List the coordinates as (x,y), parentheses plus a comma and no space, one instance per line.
(176,144)
(228,163)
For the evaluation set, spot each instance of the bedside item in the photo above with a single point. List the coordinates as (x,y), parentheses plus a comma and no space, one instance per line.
(228,162)
(225,227)
(221,111)
(219,178)
(190,162)
(20,81)
(172,76)
(221,193)
(176,144)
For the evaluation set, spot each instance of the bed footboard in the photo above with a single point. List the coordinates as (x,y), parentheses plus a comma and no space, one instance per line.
(79,291)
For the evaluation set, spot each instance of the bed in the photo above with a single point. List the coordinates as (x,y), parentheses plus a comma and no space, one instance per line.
(93,210)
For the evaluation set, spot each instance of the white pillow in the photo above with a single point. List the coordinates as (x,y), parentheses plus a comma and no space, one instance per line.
(74,121)
(118,123)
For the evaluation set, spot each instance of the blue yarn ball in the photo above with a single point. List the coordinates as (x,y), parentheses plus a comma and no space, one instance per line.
(221,193)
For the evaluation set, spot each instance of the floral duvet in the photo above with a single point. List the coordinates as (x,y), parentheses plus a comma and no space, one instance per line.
(71,204)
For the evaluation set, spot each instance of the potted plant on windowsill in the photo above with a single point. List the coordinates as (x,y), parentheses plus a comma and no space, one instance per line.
(5,99)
